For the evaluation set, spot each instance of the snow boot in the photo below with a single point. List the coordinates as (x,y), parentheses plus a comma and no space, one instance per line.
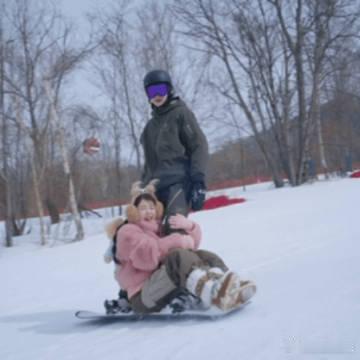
(230,292)
(224,290)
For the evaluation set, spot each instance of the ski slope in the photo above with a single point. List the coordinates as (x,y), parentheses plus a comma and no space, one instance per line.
(300,245)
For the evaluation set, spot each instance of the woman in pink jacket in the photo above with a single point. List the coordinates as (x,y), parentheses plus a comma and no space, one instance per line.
(153,268)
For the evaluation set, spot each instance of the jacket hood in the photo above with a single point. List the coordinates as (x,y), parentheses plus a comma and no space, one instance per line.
(111,227)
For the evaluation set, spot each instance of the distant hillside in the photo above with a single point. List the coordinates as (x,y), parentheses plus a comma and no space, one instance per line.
(341,130)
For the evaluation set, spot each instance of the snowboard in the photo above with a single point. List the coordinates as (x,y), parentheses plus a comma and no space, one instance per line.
(210,314)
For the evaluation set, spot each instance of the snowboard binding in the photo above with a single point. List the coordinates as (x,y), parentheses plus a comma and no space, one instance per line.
(183,301)
(120,305)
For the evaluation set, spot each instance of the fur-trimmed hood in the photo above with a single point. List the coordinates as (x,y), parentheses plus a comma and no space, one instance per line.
(112,226)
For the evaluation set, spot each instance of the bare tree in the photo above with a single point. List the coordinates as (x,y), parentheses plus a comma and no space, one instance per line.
(159,46)
(273,54)
(216,28)
(320,26)
(4,172)
(116,72)
(44,40)
(114,121)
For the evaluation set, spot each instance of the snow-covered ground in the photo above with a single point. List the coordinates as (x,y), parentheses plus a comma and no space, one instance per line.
(300,245)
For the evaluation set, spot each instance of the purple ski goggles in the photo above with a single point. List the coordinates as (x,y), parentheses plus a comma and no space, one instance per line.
(157,89)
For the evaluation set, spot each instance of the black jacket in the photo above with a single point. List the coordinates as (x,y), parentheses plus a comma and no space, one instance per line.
(175,147)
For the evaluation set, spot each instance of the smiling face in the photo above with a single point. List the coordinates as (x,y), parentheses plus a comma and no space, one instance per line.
(147,210)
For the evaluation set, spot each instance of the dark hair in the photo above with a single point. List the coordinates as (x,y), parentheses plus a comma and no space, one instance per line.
(144,196)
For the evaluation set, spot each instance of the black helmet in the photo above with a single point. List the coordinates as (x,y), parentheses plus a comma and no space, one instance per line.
(157,76)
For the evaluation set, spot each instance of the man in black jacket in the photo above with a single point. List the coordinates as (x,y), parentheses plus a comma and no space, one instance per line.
(175,149)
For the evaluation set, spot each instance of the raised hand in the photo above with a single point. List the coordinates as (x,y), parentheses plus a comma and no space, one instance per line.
(179,221)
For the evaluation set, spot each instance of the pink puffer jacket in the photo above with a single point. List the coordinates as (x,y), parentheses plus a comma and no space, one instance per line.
(140,250)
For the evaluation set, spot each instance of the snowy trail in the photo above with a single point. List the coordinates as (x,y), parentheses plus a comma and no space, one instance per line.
(300,245)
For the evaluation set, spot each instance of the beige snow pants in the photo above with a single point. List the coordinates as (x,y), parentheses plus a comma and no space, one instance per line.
(165,282)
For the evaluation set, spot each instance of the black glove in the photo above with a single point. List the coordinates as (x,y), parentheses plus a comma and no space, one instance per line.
(198,193)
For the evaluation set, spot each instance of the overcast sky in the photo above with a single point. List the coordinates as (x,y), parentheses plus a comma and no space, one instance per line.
(77,10)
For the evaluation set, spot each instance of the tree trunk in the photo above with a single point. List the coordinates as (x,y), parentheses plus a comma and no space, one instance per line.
(5,147)
(9,230)
(117,145)
(317,119)
(130,115)
(38,200)
(72,197)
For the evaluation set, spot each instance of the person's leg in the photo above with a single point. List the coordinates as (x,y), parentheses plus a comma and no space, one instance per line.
(215,285)
(211,282)
(212,260)
(185,269)
(139,307)
(180,263)
(155,293)
(175,201)
(165,283)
